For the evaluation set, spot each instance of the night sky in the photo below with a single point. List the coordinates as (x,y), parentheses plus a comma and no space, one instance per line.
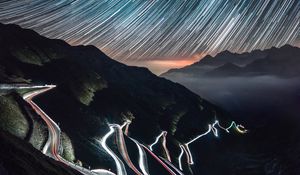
(161,34)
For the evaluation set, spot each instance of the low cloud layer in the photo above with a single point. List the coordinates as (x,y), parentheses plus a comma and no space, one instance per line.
(259,95)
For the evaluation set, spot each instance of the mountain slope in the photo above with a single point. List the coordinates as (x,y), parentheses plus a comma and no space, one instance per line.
(19,158)
(93,90)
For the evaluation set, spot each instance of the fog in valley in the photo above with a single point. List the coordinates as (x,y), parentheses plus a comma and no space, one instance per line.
(247,97)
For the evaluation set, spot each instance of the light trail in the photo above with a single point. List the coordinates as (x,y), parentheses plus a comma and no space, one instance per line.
(158,159)
(164,143)
(180,157)
(172,166)
(119,164)
(211,128)
(142,155)
(162,135)
(103,172)
(54,130)
(239,128)
(122,147)
(156,140)
(142,158)
(24,86)
(126,125)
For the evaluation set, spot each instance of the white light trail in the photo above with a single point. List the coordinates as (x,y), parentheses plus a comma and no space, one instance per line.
(158,159)
(172,166)
(142,158)
(164,143)
(180,157)
(54,130)
(126,125)
(156,140)
(103,172)
(162,135)
(122,147)
(119,164)
(211,128)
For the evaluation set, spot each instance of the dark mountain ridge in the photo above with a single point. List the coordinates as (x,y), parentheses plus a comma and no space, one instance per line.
(93,90)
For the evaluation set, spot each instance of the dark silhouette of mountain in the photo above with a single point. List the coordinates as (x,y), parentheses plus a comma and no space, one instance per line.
(94,90)
(17,157)
(229,57)
(284,61)
(208,63)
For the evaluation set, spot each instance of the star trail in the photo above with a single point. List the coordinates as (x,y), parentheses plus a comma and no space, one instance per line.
(161,30)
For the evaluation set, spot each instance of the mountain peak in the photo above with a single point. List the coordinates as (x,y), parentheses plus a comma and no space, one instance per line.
(288,46)
(225,53)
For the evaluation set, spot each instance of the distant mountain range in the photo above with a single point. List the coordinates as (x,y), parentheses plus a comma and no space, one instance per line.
(282,61)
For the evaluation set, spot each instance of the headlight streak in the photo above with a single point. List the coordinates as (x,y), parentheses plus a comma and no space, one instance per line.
(122,147)
(172,166)
(162,135)
(126,125)
(119,164)
(158,159)
(164,143)
(53,128)
(211,128)
(142,158)
(156,140)
(102,171)
(180,157)
(239,128)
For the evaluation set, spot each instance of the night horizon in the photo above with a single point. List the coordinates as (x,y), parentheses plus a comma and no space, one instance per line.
(161,34)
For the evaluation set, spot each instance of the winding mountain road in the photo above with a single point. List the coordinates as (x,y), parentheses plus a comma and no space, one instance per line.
(53,147)
(53,144)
